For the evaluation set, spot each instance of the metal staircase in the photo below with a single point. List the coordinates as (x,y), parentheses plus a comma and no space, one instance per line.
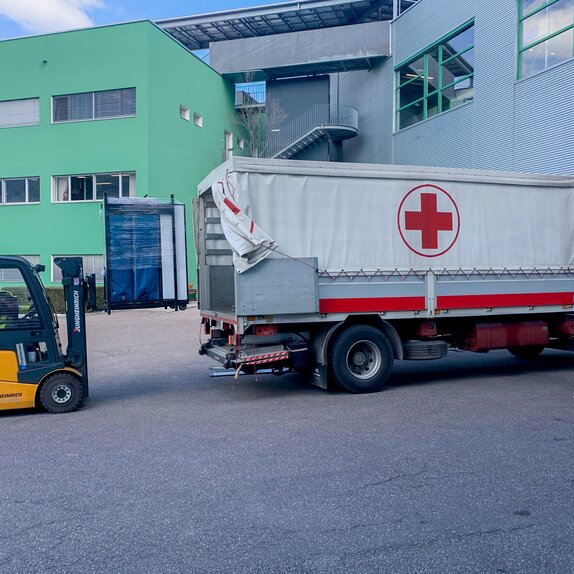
(338,123)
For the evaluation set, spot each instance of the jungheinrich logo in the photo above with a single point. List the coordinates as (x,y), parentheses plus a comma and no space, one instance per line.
(11,396)
(77,328)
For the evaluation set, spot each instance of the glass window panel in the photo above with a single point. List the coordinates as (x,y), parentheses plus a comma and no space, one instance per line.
(412,70)
(108,104)
(560,48)
(529,6)
(14,113)
(82,188)
(81,107)
(33,189)
(17,307)
(61,108)
(411,115)
(432,105)
(432,70)
(547,21)
(128,105)
(457,95)
(61,189)
(411,92)
(457,68)
(546,54)
(107,183)
(460,42)
(447,79)
(126,185)
(15,190)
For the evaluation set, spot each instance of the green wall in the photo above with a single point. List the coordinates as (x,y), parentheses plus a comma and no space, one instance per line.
(168,154)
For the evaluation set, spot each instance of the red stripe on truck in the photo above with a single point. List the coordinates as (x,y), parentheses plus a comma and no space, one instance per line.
(231,206)
(503,300)
(372,304)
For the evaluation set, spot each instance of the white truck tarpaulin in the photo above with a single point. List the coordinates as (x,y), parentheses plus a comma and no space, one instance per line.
(249,243)
(359,217)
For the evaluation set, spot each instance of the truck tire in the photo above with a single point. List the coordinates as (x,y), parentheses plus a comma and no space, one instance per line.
(361,359)
(528,352)
(61,393)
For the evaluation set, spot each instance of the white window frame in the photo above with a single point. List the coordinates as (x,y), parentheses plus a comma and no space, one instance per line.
(198,119)
(184,112)
(120,174)
(27,201)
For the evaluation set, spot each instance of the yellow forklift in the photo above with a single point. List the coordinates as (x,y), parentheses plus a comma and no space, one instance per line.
(34,370)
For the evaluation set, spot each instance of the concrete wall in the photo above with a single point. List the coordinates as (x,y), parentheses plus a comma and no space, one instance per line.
(340,44)
(292,98)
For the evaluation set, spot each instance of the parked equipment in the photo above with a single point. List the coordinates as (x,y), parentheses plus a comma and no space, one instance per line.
(337,270)
(33,369)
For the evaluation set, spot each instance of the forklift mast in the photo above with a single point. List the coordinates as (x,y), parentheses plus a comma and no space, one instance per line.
(74,285)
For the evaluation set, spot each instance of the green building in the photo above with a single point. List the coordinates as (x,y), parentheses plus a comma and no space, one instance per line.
(123,110)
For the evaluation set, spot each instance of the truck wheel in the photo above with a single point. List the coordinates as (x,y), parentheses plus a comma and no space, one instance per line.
(528,352)
(61,393)
(361,359)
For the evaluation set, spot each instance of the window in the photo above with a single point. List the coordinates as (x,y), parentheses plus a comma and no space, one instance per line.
(12,275)
(92,264)
(91,187)
(184,113)
(15,113)
(20,190)
(17,306)
(228,145)
(545,36)
(94,105)
(240,143)
(440,79)
(198,120)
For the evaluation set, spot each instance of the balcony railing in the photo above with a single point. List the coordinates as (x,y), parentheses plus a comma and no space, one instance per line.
(339,122)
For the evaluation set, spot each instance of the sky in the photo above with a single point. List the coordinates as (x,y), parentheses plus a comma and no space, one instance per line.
(28,17)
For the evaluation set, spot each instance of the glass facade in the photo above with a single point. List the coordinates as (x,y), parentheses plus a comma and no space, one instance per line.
(440,79)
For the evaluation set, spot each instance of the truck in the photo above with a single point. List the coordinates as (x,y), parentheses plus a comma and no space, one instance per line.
(336,270)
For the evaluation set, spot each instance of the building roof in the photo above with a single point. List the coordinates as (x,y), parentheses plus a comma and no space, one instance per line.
(198,31)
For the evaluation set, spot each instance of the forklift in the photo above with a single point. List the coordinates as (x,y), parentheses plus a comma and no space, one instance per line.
(34,371)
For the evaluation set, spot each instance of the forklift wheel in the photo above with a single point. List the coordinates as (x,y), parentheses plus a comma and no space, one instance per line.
(61,393)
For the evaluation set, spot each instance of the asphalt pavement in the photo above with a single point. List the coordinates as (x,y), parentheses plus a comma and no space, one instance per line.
(464,465)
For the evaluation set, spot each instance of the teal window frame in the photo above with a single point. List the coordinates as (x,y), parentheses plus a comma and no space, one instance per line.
(427,94)
(521,19)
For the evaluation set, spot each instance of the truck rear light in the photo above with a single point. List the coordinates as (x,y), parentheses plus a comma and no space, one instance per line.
(234,340)
(265,330)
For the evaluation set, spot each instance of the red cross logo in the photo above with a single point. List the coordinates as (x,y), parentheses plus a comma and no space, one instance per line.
(428,220)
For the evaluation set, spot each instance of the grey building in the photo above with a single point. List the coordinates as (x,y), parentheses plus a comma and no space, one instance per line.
(430,82)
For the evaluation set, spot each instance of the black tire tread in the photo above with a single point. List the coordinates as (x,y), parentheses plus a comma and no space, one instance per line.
(61,378)
(338,350)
